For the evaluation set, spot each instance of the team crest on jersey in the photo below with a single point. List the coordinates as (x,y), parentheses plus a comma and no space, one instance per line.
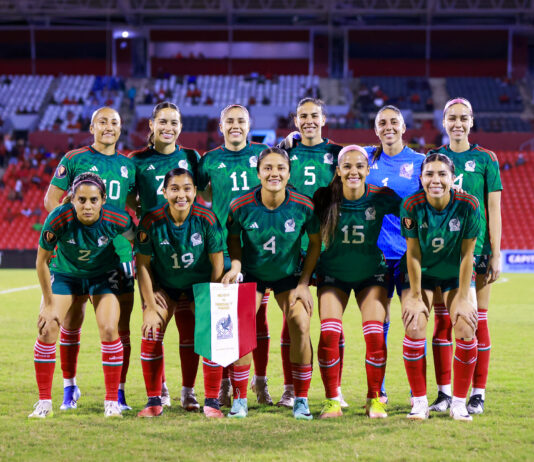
(183,164)
(408,223)
(61,172)
(142,237)
(102,241)
(289,225)
(196,239)
(454,224)
(328,158)
(370,214)
(224,328)
(253,161)
(470,166)
(50,237)
(406,171)
(124,171)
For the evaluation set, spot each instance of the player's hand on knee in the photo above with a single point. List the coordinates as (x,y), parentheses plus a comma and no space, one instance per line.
(161,298)
(289,141)
(411,309)
(45,322)
(302,293)
(466,310)
(153,320)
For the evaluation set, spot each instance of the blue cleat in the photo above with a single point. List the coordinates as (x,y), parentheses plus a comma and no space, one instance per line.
(71,395)
(301,409)
(122,401)
(239,408)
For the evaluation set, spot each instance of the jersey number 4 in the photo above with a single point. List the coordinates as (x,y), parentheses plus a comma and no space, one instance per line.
(270,245)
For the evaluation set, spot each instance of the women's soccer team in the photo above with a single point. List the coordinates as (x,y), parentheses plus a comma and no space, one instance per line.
(372,219)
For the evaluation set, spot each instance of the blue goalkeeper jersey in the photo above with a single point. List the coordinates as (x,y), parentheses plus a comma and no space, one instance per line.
(400,173)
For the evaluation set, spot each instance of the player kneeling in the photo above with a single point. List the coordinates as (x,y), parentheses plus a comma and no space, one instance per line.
(180,244)
(351,214)
(270,221)
(441,227)
(83,230)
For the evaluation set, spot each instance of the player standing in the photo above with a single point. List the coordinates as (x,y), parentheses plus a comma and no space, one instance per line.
(441,228)
(151,165)
(313,161)
(351,213)
(231,171)
(179,244)
(477,173)
(270,221)
(395,165)
(85,265)
(117,172)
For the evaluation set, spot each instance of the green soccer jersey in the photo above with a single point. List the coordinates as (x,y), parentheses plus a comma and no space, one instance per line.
(477,173)
(353,254)
(151,168)
(271,238)
(180,254)
(231,173)
(84,251)
(440,233)
(312,167)
(117,172)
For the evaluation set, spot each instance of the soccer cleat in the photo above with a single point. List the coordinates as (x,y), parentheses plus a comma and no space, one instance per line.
(383,397)
(153,408)
(225,393)
(259,386)
(122,401)
(442,402)
(71,395)
(165,396)
(239,408)
(301,409)
(287,399)
(375,408)
(42,409)
(189,400)
(419,409)
(331,409)
(342,401)
(112,409)
(459,412)
(475,405)
(212,409)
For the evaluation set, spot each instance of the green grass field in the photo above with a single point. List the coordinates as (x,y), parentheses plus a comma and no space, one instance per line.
(504,432)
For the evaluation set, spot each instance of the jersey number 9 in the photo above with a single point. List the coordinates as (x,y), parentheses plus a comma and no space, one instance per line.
(438,243)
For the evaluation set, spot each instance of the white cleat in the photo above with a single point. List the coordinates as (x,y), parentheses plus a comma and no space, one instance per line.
(459,412)
(259,386)
(419,409)
(189,400)
(165,396)
(287,399)
(42,409)
(112,409)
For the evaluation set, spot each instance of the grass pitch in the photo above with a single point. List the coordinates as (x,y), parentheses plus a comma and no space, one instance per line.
(504,432)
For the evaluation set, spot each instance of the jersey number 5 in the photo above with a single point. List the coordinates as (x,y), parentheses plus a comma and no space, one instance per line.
(309,173)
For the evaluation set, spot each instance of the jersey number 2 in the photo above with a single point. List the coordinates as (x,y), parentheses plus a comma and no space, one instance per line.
(84,255)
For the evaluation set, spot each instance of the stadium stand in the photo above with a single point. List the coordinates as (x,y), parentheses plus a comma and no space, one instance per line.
(23,94)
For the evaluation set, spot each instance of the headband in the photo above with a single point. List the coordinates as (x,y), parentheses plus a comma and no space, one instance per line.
(88,180)
(463,101)
(352,147)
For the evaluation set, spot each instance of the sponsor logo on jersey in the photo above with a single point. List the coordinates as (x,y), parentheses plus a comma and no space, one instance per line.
(71,241)
(253,226)
(253,161)
(408,223)
(124,171)
(470,166)
(221,165)
(481,264)
(328,158)
(294,157)
(406,171)
(50,237)
(164,242)
(61,172)
(224,328)
(196,239)
(151,167)
(424,226)
(289,225)
(379,277)
(329,279)
(102,240)
(454,224)
(374,167)
(370,214)
(142,237)
(183,164)
(94,168)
